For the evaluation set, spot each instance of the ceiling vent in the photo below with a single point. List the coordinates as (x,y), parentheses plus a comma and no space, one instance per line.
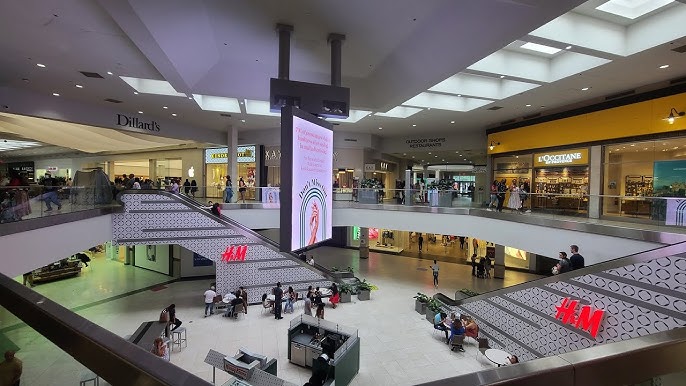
(91,74)
(620,95)
(508,122)
(678,80)
(532,116)
(112,100)
(494,108)
(225,115)
(680,50)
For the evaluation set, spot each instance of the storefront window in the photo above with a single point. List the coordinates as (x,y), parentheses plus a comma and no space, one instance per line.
(561,181)
(635,170)
(216,169)
(510,168)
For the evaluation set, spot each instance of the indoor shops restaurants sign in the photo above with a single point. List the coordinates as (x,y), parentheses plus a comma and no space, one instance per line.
(569,157)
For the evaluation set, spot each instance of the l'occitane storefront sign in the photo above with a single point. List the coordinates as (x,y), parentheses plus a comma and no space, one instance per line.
(561,158)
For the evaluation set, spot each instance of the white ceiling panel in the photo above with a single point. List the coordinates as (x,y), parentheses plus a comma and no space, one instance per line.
(354,116)
(572,63)
(446,102)
(217,103)
(400,112)
(151,86)
(658,29)
(632,9)
(514,64)
(259,108)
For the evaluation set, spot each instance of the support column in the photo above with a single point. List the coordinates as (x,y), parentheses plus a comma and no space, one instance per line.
(232,158)
(364,243)
(499,266)
(152,169)
(284,50)
(336,41)
(595,182)
(408,186)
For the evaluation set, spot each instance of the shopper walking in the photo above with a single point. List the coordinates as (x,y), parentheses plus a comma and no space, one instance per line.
(242,187)
(435,269)
(228,190)
(474,264)
(576,260)
(420,241)
(209,301)
(194,188)
(462,240)
(50,186)
(278,296)
(493,203)
(187,187)
(502,188)
(10,370)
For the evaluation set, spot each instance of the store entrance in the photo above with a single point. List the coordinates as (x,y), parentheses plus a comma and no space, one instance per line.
(562,189)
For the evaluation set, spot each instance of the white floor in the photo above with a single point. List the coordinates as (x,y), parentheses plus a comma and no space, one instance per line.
(398,346)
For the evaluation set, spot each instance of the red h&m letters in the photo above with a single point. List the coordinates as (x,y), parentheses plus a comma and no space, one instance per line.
(588,319)
(234,253)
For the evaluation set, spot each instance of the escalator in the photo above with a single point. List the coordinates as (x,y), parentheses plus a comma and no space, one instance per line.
(241,256)
(568,322)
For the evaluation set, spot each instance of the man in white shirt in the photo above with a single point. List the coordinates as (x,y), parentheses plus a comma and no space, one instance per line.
(209,301)
(311,261)
(434,268)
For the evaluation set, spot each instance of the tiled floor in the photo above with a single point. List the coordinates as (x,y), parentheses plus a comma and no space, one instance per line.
(398,346)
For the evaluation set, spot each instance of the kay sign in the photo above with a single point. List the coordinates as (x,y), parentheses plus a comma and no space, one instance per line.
(561,158)
(586,318)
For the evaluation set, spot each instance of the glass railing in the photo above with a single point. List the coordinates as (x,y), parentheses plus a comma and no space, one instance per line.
(59,347)
(34,201)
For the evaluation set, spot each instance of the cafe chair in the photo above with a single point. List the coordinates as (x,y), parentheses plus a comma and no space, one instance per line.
(237,310)
(179,337)
(458,340)
(88,377)
(483,346)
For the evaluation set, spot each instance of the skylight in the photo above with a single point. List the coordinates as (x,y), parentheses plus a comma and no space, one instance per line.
(216,103)
(632,9)
(400,112)
(446,102)
(354,116)
(540,48)
(151,86)
(10,144)
(259,108)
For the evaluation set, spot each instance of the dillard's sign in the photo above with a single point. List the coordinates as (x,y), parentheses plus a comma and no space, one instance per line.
(572,157)
(123,120)
(587,318)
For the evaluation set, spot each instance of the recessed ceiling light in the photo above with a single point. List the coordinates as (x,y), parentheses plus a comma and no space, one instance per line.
(516,156)
(457,152)
(78,86)
(173,114)
(243,120)
(380,128)
(412,156)
(241,102)
(528,105)
(459,95)
(165,107)
(645,148)
(633,144)
(135,93)
(109,73)
(40,65)
(429,152)
(452,122)
(585,89)
(540,48)
(414,125)
(428,108)
(568,48)
(502,76)
(190,97)
(404,153)
(140,112)
(443,160)
(664,66)
(435,156)
(55,94)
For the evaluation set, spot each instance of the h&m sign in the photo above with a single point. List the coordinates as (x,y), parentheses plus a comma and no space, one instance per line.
(587,317)
(124,120)
(234,253)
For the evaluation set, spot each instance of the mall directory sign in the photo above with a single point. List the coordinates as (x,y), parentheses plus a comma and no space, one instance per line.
(306,179)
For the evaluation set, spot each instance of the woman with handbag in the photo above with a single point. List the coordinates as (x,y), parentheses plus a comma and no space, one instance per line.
(170,311)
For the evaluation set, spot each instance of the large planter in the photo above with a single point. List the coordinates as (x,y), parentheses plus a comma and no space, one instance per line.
(345,297)
(438,198)
(430,315)
(420,307)
(368,196)
(364,295)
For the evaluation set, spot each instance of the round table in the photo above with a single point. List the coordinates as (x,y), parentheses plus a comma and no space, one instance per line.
(499,357)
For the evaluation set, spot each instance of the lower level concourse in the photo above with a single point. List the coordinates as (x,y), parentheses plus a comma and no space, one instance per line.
(398,345)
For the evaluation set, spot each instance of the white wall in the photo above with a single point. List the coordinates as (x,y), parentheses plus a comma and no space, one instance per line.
(541,240)
(26,251)
(186,266)
(160,253)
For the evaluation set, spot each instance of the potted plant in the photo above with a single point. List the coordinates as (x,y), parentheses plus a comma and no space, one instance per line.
(420,301)
(369,191)
(432,308)
(364,290)
(345,290)
(464,293)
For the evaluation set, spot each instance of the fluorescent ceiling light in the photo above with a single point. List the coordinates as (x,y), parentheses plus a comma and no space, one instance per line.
(540,48)
(632,9)
(151,86)
(259,108)
(400,112)
(354,116)
(446,102)
(10,144)
(216,103)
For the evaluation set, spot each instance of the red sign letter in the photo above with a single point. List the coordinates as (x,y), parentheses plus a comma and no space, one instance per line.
(233,253)
(588,322)
(566,310)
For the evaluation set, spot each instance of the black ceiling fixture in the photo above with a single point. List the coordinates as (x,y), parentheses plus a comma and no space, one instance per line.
(91,74)
(112,100)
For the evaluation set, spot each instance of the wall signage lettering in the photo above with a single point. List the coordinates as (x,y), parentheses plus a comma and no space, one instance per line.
(570,157)
(369,167)
(124,120)
(234,253)
(588,318)
(420,143)
(220,155)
